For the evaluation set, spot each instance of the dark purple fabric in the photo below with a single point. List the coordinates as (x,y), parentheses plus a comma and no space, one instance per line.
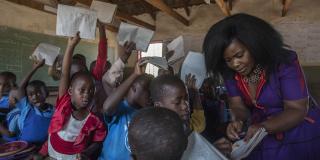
(301,142)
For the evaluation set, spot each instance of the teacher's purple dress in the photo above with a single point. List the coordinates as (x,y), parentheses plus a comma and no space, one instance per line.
(299,143)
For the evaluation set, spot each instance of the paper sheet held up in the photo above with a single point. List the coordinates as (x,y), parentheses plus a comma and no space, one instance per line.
(105,11)
(194,63)
(46,51)
(139,35)
(70,20)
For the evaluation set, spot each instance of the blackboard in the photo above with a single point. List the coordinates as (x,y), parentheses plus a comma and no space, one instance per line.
(16,46)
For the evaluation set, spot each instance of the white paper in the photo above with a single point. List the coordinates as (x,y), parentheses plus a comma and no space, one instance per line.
(46,51)
(241,149)
(177,45)
(200,149)
(160,62)
(70,20)
(104,10)
(139,35)
(194,64)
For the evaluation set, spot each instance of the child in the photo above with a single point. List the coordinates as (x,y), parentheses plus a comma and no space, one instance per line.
(119,107)
(114,76)
(5,87)
(157,134)
(170,92)
(35,115)
(74,131)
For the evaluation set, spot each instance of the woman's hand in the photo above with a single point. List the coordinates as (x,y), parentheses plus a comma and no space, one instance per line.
(252,130)
(233,130)
(224,146)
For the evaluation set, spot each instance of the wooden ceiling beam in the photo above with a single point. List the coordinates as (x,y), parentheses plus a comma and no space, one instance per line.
(165,8)
(230,3)
(285,7)
(150,9)
(186,7)
(224,7)
(123,16)
(39,6)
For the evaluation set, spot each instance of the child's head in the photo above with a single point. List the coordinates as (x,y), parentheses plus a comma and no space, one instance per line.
(81,90)
(12,78)
(80,58)
(4,84)
(139,93)
(105,69)
(13,97)
(170,92)
(157,134)
(37,92)
(169,71)
(77,66)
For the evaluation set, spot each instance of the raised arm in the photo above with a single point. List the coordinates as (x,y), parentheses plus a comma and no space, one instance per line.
(26,79)
(111,103)
(66,65)
(102,53)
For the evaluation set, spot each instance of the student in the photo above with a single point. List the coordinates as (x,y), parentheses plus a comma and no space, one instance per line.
(266,87)
(35,114)
(156,134)
(114,76)
(119,108)
(5,87)
(170,92)
(74,131)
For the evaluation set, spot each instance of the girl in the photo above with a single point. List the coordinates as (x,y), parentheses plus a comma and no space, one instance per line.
(74,131)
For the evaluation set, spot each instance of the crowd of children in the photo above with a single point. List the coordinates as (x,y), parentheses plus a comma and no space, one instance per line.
(100,114)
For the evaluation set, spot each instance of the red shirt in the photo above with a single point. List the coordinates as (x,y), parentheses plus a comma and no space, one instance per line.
(92,131)
(98,70)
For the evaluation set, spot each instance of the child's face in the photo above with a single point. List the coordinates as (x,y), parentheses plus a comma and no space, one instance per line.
(142,95)
(13,97)
(36,96)
(82,91)
(176,99)
(4,85)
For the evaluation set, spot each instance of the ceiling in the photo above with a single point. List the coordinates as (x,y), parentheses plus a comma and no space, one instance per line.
(127,9)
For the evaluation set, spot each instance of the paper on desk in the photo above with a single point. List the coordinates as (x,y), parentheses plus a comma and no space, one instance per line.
(46,51)
(70,20)
(160,62)
(194,64)
(241,149)
(139,35)
(105,11)
(177,46)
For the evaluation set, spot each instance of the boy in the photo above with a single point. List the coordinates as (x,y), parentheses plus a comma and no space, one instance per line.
(33,121)
(119,107)
(157,134)
(170,92)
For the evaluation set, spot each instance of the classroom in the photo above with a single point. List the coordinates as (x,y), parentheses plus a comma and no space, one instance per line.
(159,79)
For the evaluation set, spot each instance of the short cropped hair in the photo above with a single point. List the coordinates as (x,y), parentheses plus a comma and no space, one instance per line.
(157,86)
(39,84)
(157,134)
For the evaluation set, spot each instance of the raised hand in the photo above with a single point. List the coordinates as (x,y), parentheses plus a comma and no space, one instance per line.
(233,130)
(38,63)
(191,81)
(128,47)
(73,41)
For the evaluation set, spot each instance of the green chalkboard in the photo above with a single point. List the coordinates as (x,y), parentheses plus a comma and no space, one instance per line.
(16,46)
